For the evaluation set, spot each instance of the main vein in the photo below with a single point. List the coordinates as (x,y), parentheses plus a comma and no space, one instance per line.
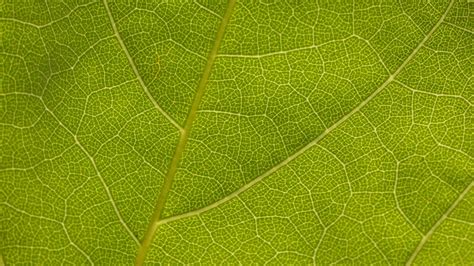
(135,70)
(320,137)
(160,204)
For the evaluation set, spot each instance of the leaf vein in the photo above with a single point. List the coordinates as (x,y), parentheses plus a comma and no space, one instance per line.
(135,70)
(428,235)
(184,136)
(319,138)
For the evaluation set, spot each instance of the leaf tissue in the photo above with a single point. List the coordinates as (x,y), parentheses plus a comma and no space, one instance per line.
(239,132)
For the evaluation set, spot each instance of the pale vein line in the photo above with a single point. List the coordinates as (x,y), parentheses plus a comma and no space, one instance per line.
(284,52)
(92,160)
(272,53)
(107,190)
(454,96)
(187,49)
(207,9)
(315,141)
(173,168)
(76,246)
(438,223)
(53,221)
(135,70)
(68,15)
(459,27)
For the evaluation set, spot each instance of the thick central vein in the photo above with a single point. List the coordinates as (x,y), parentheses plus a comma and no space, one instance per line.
(173,168)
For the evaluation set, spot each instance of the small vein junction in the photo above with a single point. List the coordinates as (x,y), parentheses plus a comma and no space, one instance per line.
(135,70)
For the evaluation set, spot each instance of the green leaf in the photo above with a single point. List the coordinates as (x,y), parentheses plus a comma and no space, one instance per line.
(283,132)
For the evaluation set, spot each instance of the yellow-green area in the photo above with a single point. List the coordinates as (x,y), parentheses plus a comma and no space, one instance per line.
(240,132)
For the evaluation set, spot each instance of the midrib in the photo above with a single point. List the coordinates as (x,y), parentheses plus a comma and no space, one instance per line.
(156,221)
(160,204)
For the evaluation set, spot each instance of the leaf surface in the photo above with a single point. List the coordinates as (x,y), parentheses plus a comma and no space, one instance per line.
(174,132)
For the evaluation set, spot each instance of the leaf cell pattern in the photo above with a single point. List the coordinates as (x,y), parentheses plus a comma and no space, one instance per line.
(240,132)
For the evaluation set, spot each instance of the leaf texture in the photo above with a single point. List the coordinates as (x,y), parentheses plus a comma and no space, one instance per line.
(240,132)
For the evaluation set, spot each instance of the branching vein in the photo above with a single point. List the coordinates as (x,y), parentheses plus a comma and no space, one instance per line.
(135,70)
(319,138)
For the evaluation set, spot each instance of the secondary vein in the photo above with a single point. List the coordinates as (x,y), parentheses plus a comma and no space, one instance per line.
(135,70)
(438,223)
(319,138)
(92,160)
(160,204)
